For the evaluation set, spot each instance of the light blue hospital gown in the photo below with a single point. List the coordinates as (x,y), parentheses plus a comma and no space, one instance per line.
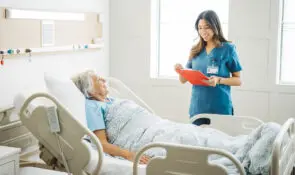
(95,113)
(95,116)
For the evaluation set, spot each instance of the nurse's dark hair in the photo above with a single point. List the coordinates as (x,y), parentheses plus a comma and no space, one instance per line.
(214,23)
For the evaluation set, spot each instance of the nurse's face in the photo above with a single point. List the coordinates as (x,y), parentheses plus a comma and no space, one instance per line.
(205,31)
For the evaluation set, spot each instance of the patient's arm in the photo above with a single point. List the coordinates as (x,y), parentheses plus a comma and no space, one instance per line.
(115,150)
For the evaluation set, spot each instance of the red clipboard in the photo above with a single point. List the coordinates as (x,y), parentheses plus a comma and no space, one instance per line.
(195,77)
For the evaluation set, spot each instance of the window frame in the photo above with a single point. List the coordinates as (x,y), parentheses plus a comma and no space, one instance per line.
(274,64)
(154,38)
(282,25)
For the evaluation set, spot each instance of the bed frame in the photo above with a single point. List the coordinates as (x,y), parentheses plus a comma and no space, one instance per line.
(179,159)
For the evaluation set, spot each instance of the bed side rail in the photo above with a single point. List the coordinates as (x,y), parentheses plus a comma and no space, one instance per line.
(283,157)
(184,159)
(119,89)
(232,125)
(75,149)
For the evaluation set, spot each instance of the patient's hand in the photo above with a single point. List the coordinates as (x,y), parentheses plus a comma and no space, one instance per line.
(143,159)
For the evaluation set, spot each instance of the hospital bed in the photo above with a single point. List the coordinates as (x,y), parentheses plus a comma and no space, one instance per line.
(79,157)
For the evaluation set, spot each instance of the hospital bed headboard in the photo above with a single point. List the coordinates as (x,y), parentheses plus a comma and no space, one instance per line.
(118,89)
(70,138)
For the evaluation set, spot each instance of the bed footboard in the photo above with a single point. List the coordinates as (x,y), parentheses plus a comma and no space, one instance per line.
(283,157)
(184,159)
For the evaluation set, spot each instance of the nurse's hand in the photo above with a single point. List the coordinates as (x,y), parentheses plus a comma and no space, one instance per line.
(213,81)
(177,67)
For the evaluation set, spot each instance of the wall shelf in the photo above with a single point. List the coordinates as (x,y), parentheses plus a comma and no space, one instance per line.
(53,50)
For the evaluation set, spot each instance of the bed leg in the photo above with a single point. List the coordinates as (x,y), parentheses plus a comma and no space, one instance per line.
(293,171)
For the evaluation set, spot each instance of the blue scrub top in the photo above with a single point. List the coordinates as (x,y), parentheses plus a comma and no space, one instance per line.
(214,100)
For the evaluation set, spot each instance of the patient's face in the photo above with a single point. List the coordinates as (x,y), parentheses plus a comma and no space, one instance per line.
(99,86)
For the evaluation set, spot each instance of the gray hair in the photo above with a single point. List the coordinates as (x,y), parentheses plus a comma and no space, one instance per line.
(84,83)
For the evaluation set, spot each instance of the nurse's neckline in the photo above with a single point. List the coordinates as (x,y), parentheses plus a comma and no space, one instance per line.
(208,53)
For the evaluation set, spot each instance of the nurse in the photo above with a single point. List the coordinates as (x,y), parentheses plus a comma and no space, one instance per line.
(217,58)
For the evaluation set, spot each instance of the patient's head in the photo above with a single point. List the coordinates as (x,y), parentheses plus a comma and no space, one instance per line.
(91,85)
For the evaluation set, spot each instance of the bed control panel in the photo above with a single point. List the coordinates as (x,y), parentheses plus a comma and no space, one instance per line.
(53,119)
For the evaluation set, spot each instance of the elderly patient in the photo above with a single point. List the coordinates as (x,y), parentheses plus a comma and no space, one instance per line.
(123,128)
(97,103)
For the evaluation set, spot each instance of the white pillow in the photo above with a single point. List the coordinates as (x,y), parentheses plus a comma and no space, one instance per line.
(65,91)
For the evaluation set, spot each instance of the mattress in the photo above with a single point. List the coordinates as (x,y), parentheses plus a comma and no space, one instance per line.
(35,170)
(110,166)
(114,166)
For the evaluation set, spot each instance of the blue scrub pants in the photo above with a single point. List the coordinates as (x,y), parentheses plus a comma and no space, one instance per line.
(205,121)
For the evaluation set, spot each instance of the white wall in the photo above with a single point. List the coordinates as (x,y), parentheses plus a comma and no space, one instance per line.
(255,35)
(18,73)
(251,28)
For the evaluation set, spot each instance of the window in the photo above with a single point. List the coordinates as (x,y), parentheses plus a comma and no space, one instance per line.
(173,31)
(287,70)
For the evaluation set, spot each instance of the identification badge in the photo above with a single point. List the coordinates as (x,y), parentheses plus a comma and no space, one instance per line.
(212,67)
(212,70)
